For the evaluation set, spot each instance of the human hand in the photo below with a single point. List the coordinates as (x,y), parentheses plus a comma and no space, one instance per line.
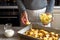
(24,18)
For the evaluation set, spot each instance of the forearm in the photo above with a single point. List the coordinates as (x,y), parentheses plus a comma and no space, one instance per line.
(21,6)
(50,6)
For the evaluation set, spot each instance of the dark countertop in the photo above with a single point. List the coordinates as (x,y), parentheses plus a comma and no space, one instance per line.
(15,37)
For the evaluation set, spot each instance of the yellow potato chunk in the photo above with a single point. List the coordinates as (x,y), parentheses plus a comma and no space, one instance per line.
(31,33)
(27,23)
(45,38)
(45,18)
(56,35)
(52,33)
(50,38)
(40,34)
